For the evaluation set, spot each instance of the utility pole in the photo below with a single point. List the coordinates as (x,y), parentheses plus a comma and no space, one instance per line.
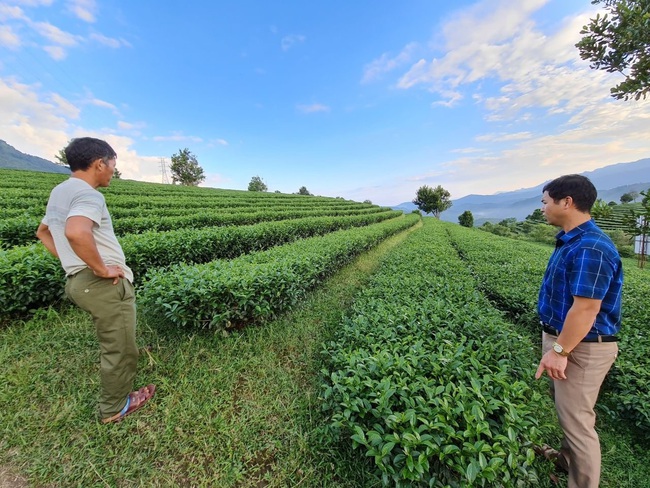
(163,170)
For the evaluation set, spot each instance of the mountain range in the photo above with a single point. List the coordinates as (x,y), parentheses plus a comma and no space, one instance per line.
(12,158)
(611,182)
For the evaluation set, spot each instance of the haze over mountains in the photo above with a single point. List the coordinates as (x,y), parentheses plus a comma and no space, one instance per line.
(611,182)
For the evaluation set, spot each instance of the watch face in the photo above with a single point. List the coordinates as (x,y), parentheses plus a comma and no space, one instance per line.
(558,349)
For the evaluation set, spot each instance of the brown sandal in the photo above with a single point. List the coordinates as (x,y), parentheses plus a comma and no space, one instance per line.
(135,401)
(553,455)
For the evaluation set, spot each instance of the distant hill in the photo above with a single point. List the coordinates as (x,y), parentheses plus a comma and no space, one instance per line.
(11,158)
(611,182)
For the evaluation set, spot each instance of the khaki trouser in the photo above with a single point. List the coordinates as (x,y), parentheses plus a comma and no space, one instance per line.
(113,311)
(575,398)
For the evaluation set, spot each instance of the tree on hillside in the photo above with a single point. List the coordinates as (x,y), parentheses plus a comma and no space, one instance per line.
(600,210)
(536,216)
(619,41)
(185,169)
(257,184)
(466,219)
(60,158)
(303,191)
(629,196)
(433,200)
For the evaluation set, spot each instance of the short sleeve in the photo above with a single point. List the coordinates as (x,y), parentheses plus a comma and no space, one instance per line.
(591,275)
(88,204)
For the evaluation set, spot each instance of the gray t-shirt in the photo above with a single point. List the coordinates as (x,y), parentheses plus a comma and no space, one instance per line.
(75,197)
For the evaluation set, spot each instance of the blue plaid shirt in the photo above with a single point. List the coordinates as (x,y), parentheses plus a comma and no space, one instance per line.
(585,263)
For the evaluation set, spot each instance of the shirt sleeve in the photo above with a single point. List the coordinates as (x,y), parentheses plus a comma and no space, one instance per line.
(88,204)
(591,275)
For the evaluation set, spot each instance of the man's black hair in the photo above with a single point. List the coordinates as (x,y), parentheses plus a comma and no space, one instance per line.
(81,152)
(578,187)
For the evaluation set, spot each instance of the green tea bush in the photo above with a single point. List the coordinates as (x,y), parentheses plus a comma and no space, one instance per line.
(158,249)
(429,380)
(510,273)
(257,286)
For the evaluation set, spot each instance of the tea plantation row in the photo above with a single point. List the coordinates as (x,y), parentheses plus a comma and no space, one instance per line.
(30,277)
(509,272)
(430,380)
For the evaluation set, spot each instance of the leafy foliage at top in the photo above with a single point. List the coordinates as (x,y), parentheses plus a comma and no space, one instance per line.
(466,219)
(185,168)
(257,184)
(433,200)
(620,42)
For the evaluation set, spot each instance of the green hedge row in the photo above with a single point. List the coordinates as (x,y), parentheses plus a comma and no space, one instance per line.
(425,380)
(511,271)
(255,287)
(21,231)
(30,277)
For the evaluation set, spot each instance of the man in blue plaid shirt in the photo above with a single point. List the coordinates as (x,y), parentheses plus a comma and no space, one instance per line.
(580,312)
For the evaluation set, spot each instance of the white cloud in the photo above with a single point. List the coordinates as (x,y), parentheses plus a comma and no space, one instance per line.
(313,108)
(289,41)
(41,124)
(10,12)
(8,38)
(122,125)
(385,63)
(178,137)
(83,9)
(96,102)
(110,41)
(56,52)
(218,142)
(33,3)
(517,136)
(53,34)
(30,122)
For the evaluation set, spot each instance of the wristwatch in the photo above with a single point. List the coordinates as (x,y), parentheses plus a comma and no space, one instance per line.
(560,350)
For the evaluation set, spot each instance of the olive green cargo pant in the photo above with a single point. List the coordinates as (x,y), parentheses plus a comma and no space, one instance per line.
(113,311)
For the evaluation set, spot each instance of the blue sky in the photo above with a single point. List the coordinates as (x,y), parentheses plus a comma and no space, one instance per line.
(366,100)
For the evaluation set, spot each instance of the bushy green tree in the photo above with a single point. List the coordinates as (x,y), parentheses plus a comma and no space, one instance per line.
(257,184)
(619,41)
(185,168)
(629,196)
(466,219)
(433,200)
(303,191)
(600,210)
(536,216)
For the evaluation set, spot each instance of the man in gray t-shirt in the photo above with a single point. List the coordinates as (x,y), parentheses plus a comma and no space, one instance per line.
(77,229)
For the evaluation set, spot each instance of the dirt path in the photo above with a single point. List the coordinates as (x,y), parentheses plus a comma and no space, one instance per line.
(8,479)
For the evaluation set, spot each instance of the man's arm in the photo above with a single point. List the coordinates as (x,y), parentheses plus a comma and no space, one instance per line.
(45,236)
(79,232)
(577,324)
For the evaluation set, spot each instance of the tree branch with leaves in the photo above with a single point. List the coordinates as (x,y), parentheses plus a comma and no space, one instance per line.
(619,42)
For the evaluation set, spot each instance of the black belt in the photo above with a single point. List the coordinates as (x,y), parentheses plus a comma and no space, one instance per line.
(601,338)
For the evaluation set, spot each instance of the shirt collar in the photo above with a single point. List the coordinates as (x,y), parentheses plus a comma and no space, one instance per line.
(565,237)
